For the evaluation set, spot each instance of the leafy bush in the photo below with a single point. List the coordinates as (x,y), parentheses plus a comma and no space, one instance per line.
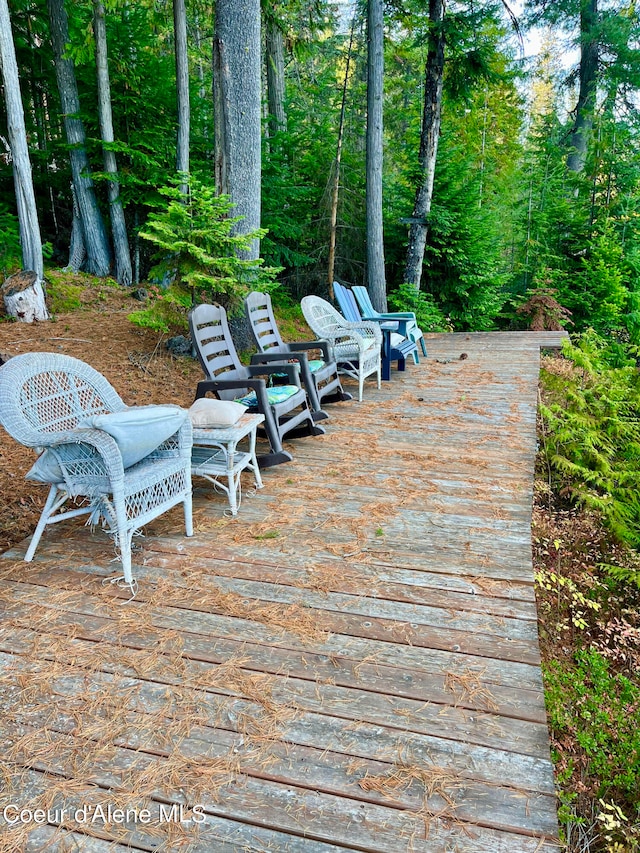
(200,257)
(429,317)
(591,433)
(600,711)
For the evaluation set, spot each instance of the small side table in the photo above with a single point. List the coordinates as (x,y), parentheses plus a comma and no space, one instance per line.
(214,456)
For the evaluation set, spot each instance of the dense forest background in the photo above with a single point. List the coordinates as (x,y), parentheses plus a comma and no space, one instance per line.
(536,190)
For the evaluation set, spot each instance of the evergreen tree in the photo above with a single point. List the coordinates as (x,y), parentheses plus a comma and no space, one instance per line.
(89,245)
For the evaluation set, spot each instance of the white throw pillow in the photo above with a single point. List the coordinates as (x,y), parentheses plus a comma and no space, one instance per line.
(138,430)
(215,414)
(45,469)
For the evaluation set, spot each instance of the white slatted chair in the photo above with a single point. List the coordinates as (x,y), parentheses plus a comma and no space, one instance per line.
(285,407)
(53,402)
(319,375)
(354,346)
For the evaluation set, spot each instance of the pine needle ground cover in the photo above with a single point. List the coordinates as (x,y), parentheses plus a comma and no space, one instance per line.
(588,597)
(586,535)
(121,698)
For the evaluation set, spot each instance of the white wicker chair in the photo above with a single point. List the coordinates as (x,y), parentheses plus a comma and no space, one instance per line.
(354,346)
(43,398)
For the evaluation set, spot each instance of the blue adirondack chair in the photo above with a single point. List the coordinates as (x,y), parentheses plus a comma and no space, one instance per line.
(368,312)
(396,346)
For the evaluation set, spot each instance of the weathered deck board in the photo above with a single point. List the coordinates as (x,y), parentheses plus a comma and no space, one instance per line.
(350,664)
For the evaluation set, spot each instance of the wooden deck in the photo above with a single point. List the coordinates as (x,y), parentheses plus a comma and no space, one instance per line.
(350,664)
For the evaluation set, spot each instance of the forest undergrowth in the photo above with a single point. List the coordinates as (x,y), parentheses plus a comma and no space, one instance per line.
(588,594)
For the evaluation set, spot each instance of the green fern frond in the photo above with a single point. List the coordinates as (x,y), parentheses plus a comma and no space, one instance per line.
(592,433)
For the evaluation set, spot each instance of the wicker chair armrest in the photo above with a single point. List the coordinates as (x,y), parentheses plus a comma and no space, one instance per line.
(178,444)
(340,336)
(354,339)
(366,329)
(101,441)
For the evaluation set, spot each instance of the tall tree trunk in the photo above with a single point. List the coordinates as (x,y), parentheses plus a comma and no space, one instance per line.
(77,248)
(202,92)
(200,67)
(182,87)
(136,246)
(118,225)
(375,87)
(434,73)
(30,240)
(93,230)
(36,90)
(236,85)
(274,42)
(583,124)
(335,192)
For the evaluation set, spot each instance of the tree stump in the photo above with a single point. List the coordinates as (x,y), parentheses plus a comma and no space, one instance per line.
(24,297)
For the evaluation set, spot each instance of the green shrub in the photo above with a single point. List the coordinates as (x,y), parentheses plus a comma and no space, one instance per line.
(429,317)
(10,251)
(201,256)
(600,711)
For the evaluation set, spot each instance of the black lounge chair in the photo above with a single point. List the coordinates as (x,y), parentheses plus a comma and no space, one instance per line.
(285,407)
(319,376)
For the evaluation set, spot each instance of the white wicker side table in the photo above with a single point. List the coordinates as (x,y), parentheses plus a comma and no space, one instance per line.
(215,456)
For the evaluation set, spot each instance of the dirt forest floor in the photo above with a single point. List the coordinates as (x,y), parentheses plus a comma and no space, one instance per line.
(134,360)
